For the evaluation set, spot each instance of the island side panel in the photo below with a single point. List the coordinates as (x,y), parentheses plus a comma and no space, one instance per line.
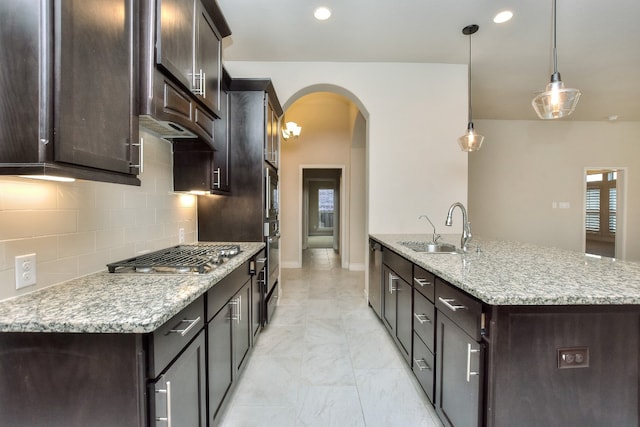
(60,379)
(528,387)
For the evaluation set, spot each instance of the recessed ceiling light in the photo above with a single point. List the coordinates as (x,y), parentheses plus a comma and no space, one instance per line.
(503,16)
(322,13)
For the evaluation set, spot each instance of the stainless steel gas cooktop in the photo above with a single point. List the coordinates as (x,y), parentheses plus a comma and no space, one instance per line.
(181,259)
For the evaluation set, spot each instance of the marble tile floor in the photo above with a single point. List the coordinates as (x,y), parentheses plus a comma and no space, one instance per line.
(326,359)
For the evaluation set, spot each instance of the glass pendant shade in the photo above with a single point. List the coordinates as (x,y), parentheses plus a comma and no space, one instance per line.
(470,141)
(557,101)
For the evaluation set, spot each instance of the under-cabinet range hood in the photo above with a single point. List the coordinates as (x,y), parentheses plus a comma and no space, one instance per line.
(164,128)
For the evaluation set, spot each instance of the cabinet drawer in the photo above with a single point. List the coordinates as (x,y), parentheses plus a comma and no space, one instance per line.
(425,282)
(463,309)
(398,264)
(424,319)
(221,292)
(422,366)
(169,339)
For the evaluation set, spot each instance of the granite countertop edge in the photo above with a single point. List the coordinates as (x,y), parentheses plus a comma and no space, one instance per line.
(505,273)
(114,302)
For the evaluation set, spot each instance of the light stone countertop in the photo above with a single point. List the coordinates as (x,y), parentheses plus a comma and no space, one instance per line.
(514,273)
(113,302)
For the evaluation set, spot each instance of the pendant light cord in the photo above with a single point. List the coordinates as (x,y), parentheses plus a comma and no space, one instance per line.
(555,49)
(469,77)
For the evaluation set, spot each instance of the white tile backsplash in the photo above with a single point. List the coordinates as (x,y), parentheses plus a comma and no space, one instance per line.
(77,228)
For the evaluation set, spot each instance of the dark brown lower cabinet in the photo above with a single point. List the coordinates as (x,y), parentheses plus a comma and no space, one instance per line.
(396,310)
(159,379)
(229,336)
(459,376)
(180,393)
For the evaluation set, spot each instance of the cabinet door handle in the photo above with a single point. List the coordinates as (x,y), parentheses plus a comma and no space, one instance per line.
(453,307)
(422,318)
(469,351)
(239,308)
(198,83)
(216,175)
(392,279)
(422,365)
(421,282)
(166,391)
(185,331)
(140,165)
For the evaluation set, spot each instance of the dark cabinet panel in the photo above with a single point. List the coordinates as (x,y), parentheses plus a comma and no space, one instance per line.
(221,142)
(458,376)
(375,277)
(220,359)
(397,313)
(242,327)
(424,319)
(77,103)
(229,335)
(208,59)
(180,393)
(389,305)
(174,33)
(62,380)
(423,366)
(189,48)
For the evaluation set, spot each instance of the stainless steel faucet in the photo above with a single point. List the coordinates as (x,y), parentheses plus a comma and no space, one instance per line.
(466,227)
(435,236)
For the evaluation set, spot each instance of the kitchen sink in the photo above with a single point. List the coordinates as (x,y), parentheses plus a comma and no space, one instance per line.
(431,247)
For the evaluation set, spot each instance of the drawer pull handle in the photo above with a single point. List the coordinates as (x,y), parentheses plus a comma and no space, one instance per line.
(422,365)
(422,282)
(167,392)
(469,351)
(185,331)
(453,307)
(422,318)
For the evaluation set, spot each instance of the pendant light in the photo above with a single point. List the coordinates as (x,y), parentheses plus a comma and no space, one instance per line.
(556,101)
(470,141)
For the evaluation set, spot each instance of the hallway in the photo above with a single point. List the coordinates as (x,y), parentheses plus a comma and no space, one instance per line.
(326,360)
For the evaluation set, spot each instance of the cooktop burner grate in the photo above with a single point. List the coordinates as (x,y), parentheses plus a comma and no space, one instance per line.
(177,259)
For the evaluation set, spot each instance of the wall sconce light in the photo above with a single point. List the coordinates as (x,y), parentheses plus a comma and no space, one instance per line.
(291,130)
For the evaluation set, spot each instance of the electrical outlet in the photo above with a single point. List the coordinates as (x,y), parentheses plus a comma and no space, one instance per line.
(25,270)
(180,235)
(573,357)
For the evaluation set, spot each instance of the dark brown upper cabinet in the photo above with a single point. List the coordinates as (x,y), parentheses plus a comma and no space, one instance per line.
(69,96)
(181,67)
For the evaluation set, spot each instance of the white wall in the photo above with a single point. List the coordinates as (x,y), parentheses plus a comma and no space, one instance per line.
(524,166)
(77,228)
(414,114)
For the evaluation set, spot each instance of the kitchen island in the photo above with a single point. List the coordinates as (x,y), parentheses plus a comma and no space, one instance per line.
(524,335)
(108,348)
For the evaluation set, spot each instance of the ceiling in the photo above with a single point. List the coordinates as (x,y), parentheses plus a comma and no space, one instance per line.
(598,45)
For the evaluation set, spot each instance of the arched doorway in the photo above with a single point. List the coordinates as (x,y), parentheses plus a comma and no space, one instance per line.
(333,136)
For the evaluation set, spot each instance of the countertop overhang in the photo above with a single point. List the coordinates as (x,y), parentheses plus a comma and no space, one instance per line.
(114,302)
(515,273)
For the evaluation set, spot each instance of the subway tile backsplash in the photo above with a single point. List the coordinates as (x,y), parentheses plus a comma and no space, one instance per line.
(77,228)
